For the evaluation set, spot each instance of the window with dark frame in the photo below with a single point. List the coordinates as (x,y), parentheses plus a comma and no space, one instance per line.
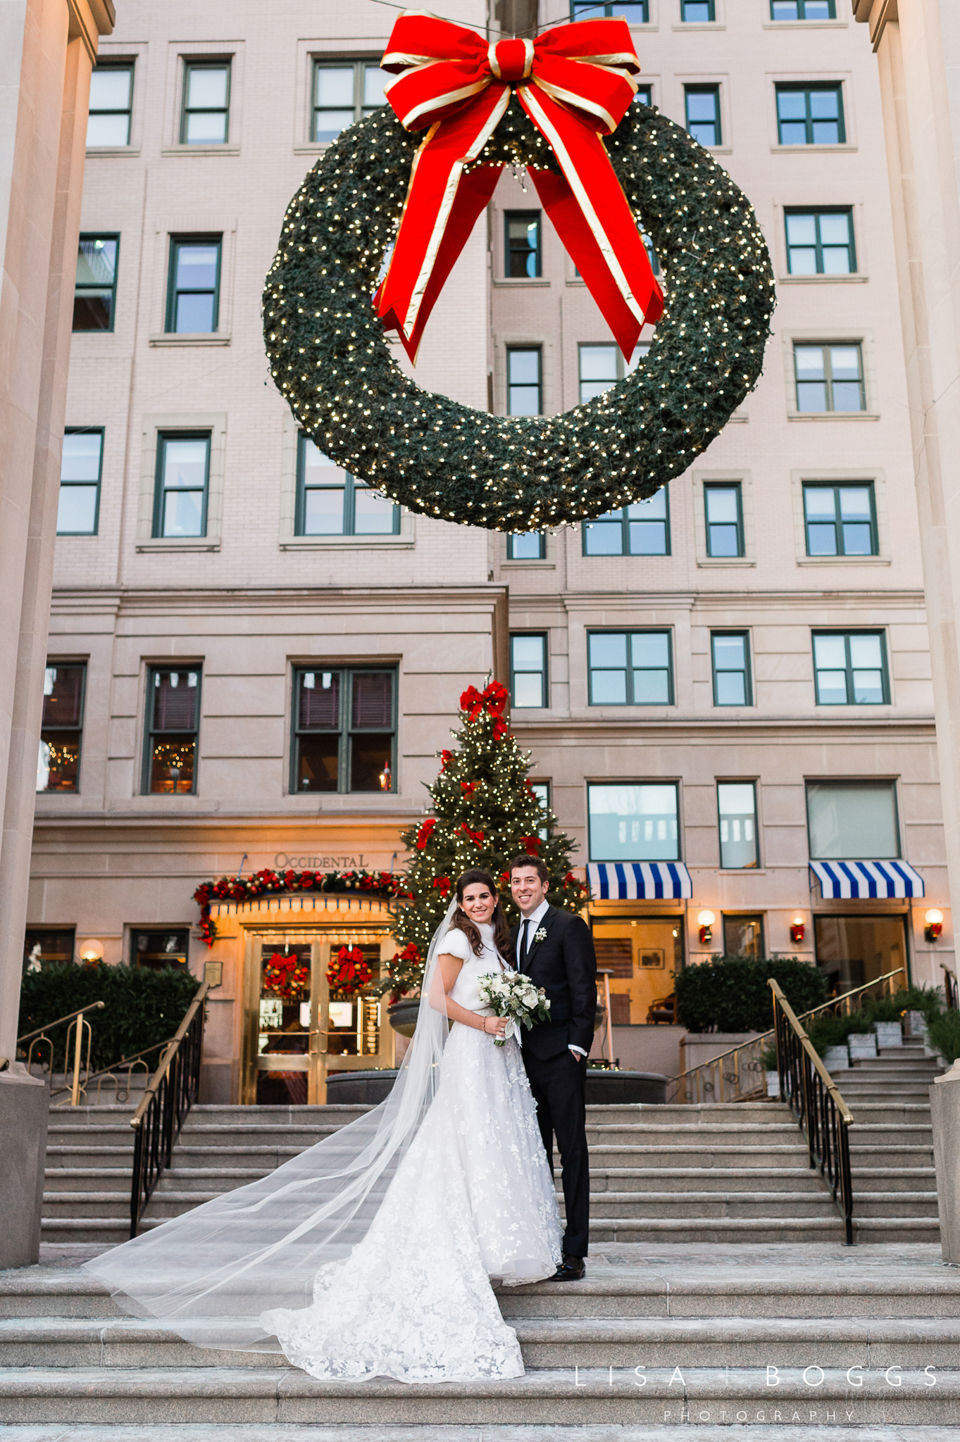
(205,112)
(332,502)
(344,729)
(853,820)
(723,509)
(644,94)
(694,12)
(182,484)
(541,790)
(635,12)
(730,653)
(829,377)
(743,936)
(640,529)
(95,291)
(526,546)
(840,519)
(850,668)
(528,670)
(344,91)
(820,242)
(522,232)
(524,387)
(737,819)
(633,821)
(173,722)
(48,945)
(803,10)
(193,286)
(61,726)
(702,104)
(630,668)
(111,102)
(810,114)
(154,948)
(81,465)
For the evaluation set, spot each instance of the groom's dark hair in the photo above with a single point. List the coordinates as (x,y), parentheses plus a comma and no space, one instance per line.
(534,863)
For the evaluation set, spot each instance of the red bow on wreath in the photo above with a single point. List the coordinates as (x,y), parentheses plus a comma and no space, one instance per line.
(575,82)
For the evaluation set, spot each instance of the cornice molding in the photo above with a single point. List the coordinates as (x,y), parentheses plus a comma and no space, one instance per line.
(876,13)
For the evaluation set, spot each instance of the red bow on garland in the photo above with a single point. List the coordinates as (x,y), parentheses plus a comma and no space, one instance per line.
(575,83)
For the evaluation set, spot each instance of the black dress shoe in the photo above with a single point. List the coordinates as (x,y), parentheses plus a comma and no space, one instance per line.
(571,1269)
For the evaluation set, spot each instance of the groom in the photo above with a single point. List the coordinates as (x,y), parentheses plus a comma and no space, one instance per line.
(555,949)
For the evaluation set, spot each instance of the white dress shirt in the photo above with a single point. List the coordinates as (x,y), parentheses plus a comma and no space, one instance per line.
(534,920)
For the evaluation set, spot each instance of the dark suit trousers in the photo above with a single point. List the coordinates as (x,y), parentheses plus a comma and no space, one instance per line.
(558,1085)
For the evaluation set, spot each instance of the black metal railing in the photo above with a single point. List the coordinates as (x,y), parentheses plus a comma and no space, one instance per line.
(820,1111)
(950,989)
(168,1097)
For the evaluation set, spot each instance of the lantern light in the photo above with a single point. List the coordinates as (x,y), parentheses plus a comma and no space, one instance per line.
(933,928)
(706,920)
(91,950)
(798,928)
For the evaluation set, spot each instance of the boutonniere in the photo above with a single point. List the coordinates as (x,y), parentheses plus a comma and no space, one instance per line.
(540,935)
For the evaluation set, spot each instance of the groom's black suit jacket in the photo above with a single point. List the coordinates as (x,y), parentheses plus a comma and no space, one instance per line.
(565,965)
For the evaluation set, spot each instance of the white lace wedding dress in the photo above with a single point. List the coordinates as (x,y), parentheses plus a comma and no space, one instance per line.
(472,1199)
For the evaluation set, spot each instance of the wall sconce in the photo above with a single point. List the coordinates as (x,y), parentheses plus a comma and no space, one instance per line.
(798,927)
(933,928)
(706,920)
(91,951)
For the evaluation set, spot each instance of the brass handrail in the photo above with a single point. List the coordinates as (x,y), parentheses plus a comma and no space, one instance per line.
(94,1006)
(173,1046)
(811,1050)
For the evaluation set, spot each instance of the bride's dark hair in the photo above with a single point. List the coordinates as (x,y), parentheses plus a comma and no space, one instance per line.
(462,922)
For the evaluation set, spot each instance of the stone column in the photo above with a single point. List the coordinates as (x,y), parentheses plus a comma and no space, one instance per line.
(917,43)
(945,1114)
(47,48)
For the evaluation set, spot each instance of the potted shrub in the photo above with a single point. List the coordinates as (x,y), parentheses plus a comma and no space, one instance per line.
(828,1034)
(944,1034)
(768,1061)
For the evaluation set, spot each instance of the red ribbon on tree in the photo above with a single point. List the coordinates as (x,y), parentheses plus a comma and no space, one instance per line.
(575,82)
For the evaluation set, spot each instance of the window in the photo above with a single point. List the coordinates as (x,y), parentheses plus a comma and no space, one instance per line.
(183,477)
(803,10)
(743,936)
(820,242)
(737,814)
(852,820)
(541,790)
(173,717)
(343,92)
(95,293)
(810,115)
(635,822)
(205,119)
(344,728)
(523,381)
(601,366)
(635,12)
(703,113)
(850,668)
(61,727)
(48,945)
(331,502)
(527,546)
(528,671)
(111,97)
(731,668)
(723,508)
(694,11)
(81,461)
(644,94)
(630,668)
(840,520)
(157,949)
(522,244)
(193,290)
(829,378)
(640,529)
(854,950)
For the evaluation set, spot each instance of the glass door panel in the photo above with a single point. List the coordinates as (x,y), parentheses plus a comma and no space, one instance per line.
(284,1020)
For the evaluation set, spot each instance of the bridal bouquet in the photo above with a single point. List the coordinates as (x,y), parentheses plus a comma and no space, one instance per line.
(513,995)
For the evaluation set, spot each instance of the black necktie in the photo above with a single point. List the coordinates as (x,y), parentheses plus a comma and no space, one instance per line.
(523,941)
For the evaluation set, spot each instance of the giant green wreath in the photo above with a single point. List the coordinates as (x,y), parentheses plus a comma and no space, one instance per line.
(331,360)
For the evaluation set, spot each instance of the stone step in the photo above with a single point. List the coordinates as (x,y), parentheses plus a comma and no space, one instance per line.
(893,1179)
(547,1343)
(298,1432)
(826,1227)
(266,1395)
(82,1179)
(872,1230)
(792,1205)
(893,1204)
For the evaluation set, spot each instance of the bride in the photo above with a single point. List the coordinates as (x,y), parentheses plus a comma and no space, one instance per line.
(372,1253)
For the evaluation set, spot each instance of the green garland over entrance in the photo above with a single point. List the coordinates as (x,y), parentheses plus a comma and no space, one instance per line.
(331,360)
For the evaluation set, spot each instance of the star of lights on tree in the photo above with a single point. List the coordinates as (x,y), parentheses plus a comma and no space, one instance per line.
(484,813)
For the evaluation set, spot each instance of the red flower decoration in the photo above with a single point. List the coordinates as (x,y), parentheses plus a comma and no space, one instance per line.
(425,832)
(445,758)
(468,787)
(444,883)
(531,845)
(475,836)
(348,970)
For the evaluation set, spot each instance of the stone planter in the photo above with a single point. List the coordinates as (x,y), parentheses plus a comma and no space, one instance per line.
(862,1045)
(917,1024)
(889,1033)
(619,1088)
(836,1058)
(359,1088)
(773,1084)
(403,1015)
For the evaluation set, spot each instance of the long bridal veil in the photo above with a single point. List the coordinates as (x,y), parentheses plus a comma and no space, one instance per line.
(211,1272)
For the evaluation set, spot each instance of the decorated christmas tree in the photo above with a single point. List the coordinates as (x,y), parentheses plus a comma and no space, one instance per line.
(484,813)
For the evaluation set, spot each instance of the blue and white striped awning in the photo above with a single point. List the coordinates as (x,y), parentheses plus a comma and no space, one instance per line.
(639,880)
(848,879)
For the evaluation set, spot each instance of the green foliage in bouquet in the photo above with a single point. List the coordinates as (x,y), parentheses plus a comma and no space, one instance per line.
(730,993)
(484,813)
(143,1007)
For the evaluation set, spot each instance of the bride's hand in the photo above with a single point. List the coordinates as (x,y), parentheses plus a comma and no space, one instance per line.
(495,1025)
